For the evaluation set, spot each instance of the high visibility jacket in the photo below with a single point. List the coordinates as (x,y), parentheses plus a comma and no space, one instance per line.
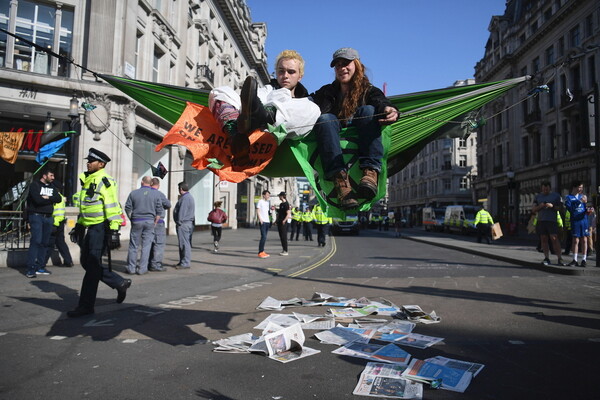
(319,215)
(483,217)
(307,216)
(59,210)
(76,202)
(567,220)
(296,214)
(559,220)
(99,200)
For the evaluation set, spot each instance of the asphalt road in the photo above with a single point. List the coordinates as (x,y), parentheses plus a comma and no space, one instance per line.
(537,333)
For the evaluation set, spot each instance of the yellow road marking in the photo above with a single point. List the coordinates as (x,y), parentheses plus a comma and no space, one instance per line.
(319,263)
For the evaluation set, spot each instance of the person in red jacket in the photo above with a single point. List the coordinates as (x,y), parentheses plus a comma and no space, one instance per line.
(217,218)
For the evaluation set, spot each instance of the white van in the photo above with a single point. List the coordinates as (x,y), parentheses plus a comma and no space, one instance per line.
(433,218)
(460,219)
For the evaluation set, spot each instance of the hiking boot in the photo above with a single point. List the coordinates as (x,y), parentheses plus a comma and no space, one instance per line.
(344,190)
(253,115)
(367,188)
(546,262)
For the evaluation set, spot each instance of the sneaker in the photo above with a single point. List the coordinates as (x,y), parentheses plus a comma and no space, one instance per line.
(561,263)
(546,262)
(284,253)
(583,263)
(262,254)
(42,271)
(30,273)
(573,264)
(216,245)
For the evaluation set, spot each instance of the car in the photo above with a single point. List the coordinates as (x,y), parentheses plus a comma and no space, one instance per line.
(460,219)
(348,225)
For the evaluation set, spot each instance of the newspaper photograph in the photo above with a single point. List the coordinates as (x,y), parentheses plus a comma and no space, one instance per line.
(418,341)
(385,380)
(286,344)
(388,352)
(471,367)
(456,380)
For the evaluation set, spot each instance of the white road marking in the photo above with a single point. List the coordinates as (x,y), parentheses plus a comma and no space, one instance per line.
(58,337)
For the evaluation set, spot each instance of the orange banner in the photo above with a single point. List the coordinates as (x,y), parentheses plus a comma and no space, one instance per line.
(10,143)
(198,130)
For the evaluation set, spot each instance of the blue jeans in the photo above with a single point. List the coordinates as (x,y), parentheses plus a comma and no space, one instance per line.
(264,229)
(41,229)
(370,146)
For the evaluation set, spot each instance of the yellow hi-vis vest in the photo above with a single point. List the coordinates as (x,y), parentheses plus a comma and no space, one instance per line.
(296,214)
(99,200)
(483,217)
(307,216)
(320,217)
(59,210)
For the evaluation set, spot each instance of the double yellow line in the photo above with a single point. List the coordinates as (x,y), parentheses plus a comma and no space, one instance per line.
(319,263)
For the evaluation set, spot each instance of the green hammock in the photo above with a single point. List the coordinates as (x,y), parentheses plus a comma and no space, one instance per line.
(424,117)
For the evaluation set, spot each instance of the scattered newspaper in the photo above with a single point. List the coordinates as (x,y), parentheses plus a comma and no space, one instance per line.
(315,321)
(271,303)
(447,378)
(473,368)
(415,313)
(375,351)
(418,341)
(385,380)
(286,344)
(353,312)
(340,335)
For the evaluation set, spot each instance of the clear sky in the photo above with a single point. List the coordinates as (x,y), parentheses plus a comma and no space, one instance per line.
(412,45)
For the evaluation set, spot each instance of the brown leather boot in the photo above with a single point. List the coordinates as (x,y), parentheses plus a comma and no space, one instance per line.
(344,191)
(367,188)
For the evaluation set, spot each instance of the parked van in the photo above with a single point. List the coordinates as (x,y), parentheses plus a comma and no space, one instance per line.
(460,219)
(433,218)
(345,225)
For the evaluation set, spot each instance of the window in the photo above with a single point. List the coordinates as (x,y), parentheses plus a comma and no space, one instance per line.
(36,22)
(561,46)
(552,94)
(447,184)
(591,71)
(552,142)
(525,151)
(574,37)
(550,56)
(464,183)
(156,64)
(462,161)
(547,14)
(138,49)
(589,26)
(535,65)
(462,143)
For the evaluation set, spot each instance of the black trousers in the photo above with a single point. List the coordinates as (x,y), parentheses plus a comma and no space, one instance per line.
(282,229)
(216,232)
(484,231)
(57,237)
(321,233)
(91,260)
(307,230)
(296,228)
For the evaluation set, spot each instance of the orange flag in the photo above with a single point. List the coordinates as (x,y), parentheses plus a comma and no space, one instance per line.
(10,143)
(198,130)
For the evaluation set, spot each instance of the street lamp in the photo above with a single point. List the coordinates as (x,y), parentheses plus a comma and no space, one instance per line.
(74,127)
(48,124)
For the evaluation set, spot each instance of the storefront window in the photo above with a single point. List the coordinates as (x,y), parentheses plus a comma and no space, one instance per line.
(4,12)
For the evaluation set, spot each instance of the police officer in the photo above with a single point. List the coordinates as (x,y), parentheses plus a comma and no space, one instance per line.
(321,221)
(57,237)
(143,208)
(307,217)
(100,216)
(296,223)
(160,233)
(484,222)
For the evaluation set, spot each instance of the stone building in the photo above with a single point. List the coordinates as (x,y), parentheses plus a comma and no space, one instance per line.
(530,139)
(190,43)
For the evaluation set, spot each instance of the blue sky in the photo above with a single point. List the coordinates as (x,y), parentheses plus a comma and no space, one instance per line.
(412,45)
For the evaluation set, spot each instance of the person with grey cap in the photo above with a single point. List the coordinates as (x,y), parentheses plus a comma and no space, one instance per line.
(157,250)
(143,208)
(97,229)
(184,217)
(351,100)
(283,215)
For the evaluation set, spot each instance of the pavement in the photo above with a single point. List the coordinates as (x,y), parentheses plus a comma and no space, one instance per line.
(239,248)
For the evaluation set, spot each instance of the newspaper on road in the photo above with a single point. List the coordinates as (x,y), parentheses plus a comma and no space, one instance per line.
(448,378)
(271,303)
(375,351)
(418,341)
(468,366)
(286,344)
(416,313)
(315,321)
(385,380)
(341,335)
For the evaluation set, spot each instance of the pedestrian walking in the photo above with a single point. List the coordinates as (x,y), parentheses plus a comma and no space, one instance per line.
(97,230)
(321,221)
(283,214)
(483,222)
(184,217)
(143,208)
(307,217)
(263,208)
(157,251)
(296,223)
(217,218)
(545,205)
(40,205)
(57,236)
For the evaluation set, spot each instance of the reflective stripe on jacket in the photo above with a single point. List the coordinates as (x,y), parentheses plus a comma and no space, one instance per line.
(99,200)
(59,210)
(482,217)
(319,215)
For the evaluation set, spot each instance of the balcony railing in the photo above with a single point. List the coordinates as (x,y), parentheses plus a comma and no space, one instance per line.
(204,72)
(14,234)
(533,117)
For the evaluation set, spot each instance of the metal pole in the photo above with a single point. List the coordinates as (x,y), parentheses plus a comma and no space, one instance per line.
(597,153)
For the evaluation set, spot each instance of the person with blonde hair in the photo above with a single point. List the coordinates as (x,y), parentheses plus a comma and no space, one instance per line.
(351,100)
(284,101)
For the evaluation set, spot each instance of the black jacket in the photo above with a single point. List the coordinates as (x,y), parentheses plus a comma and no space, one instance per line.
(36,203)
(299,92)
(329,99)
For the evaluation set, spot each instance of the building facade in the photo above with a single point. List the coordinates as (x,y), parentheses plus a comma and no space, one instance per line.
(191,43)
(531,138)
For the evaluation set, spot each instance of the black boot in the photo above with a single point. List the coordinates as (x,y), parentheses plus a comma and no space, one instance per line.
(240,145)
(253,115)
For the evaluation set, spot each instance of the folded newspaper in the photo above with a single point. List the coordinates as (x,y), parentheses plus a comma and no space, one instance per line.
(375,351)
(446,377)
(286,344)
(386,380)
(415,313)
